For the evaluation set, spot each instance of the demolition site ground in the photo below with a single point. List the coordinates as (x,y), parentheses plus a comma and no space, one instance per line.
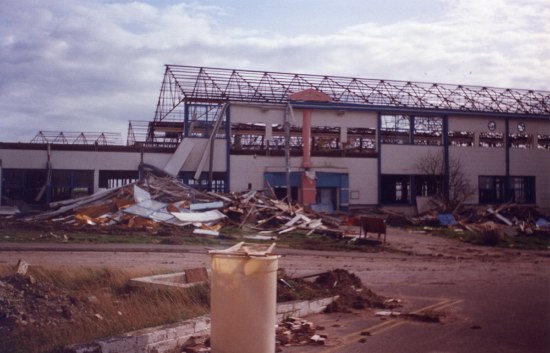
(481,285)
(433,294)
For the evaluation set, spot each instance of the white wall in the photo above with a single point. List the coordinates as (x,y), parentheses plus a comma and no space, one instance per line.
(362,173)
(402,159)
(90,160)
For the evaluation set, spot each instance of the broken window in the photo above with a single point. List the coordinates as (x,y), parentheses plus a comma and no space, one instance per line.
(428,131)
(68,184)
(396,189)
(461,138)
(24,185)
(361,140)
(520,140)
(278,139)
(491,139)
(522,189)
(165,133)
(324,139)
(202,118)
(247,138)
(218,181)
(491,189)
(396,129)
(543,142)
(428,185)
(114,178)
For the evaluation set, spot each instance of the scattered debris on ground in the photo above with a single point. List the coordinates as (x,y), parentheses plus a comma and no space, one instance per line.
(157,203)
(163,205)
(295,331)
(26,302)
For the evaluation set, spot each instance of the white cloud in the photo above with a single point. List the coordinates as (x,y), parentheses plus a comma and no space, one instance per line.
(92,66)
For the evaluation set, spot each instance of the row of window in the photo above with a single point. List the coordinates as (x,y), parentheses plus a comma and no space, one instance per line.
(400,189)
(325,140)
(395,129)
(29,185)
(405,129)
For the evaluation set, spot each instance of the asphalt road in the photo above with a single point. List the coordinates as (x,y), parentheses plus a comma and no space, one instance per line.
(490,300)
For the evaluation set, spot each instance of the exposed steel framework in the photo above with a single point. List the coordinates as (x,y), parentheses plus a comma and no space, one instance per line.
(213,86)
(77,138)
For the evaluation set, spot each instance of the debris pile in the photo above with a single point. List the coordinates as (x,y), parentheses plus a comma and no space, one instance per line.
(296,331)
(26,302)
(156,202)
(508,219)
(351,293)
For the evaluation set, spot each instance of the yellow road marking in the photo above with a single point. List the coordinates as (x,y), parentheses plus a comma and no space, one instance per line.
(439,306)
(389,324)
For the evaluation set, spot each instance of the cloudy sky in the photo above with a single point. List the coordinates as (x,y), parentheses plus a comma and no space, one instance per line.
(93,65)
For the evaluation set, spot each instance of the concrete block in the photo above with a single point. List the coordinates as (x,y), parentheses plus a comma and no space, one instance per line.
(202,323)
(317,306)
(161,339)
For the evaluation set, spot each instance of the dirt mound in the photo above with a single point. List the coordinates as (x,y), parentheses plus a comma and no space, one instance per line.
(26,303)
(347,286)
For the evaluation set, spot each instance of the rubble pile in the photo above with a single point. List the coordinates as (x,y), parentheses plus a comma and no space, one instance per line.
(296,331)
(28,303)
(351,293)
(165,202)
(350,290)
(508,219)
(520,219)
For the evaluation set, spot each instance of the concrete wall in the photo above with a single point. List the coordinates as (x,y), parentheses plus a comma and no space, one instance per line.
(246,169)
(363,182)
(402,159)
(86,160)
(94,160)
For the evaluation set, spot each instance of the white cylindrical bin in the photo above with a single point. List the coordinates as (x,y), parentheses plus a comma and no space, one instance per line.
(243,300)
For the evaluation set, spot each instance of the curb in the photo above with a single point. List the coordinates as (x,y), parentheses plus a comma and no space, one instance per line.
(162,339)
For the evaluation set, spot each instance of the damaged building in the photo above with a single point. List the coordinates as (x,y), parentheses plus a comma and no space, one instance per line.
(334,143)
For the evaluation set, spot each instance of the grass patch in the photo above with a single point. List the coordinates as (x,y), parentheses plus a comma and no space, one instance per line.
(323,242)
(495,238)
(55,308)
(29,234)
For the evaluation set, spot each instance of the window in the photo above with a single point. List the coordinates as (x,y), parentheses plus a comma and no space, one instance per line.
(218,181)
(114,178)
(68,184)
(396,189)
(24,185)
(461,138)
(543,142)
(396,129)
(428,131)
(278,140)
(428,185)
(202,118)
(522,189)
(520,140)
(325,139)
(247,138)
(491,139)
(361,140)
(491,189)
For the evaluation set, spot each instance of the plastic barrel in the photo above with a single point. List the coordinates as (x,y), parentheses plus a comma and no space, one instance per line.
(243,303)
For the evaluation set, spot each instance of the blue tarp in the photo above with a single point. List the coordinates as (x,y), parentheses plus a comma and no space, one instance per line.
(447,219)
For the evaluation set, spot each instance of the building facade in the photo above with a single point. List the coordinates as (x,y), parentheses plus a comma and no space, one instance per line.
(334,143)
